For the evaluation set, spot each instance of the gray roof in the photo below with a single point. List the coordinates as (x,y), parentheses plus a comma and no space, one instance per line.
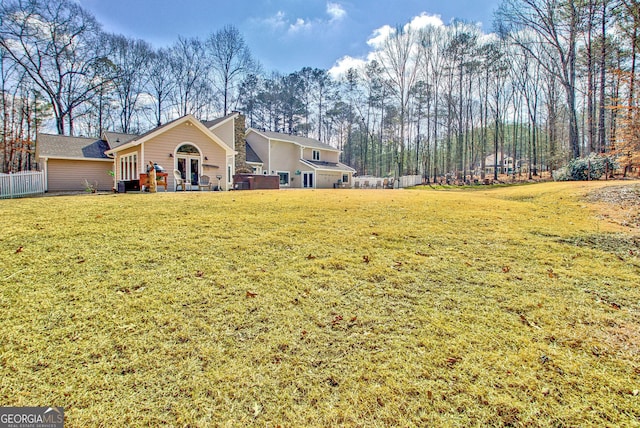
(328,166)
(296,139)
(60,146)
(117,139)
(211,123)
(252,156)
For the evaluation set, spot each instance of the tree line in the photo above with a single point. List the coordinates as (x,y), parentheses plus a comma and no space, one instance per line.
(556,80)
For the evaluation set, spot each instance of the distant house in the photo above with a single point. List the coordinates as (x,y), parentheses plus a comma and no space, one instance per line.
(504,165)
(299,162)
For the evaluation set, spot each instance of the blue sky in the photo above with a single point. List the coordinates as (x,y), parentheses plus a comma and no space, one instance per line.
(284,35)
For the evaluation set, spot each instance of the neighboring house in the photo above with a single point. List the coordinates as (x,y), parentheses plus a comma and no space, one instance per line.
(504,165)
(192,147)
(300,162)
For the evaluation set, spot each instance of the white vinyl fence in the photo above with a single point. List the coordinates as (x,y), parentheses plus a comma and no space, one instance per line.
(16,185)
(369,182)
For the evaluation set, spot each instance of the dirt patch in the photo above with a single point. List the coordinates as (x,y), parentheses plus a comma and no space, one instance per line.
(619,204)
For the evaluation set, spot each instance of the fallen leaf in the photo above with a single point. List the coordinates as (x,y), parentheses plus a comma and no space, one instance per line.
(20,249)
(452,360)
(366,259)
(199,274)
(353,319)
(551,273)
(310,257)
(81,261)
(337,319)
(420,253)
(506,269)
(250,294)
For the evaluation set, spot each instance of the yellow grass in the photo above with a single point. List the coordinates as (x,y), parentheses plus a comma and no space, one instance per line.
(505,307)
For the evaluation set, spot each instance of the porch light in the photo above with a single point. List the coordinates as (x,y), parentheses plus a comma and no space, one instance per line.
(170,155)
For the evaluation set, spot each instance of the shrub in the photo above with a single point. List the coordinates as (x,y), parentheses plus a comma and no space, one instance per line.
(592,167)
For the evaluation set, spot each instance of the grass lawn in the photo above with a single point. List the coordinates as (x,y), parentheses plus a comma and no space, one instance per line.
(507,307)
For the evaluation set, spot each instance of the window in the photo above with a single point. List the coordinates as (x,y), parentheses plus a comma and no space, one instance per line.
(284,178)
(316,155)
(129,167)
(345,178)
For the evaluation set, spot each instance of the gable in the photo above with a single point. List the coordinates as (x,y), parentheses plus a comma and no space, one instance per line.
(185,127)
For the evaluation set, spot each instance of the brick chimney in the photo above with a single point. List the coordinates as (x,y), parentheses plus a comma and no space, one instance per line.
(240,144)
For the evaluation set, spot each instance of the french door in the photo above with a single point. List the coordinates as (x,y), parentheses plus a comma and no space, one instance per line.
(189,167)
(307,180)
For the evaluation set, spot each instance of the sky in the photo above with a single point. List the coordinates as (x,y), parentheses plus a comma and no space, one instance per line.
(284,35)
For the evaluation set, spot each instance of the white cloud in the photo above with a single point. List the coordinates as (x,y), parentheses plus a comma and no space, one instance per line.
(380,35)
(341,66)
(423,20)
(299,25)
(276,21)
(336,11)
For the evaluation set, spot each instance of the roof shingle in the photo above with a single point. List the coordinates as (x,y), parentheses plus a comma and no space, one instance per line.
(61,146)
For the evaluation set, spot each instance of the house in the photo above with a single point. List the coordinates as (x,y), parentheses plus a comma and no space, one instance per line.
(504,164)
(300,162)
(192,147)
(217,148)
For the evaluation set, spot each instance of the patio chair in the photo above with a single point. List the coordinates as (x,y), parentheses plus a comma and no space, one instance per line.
(179,180)
(204,182)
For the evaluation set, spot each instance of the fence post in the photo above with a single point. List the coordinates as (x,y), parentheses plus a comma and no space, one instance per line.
(10,185)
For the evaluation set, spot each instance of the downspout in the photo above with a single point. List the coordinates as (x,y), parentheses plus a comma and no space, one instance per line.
(142,162)
(115,170)
(45,168)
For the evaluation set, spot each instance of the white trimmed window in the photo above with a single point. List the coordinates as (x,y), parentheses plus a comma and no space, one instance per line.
(284,178)
(316,155)
(129,167)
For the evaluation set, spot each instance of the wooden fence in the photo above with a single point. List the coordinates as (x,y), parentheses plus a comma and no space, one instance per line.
(19,184)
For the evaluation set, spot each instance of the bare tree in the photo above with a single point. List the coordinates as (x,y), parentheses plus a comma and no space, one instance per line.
(556,25)
(231,61)
(400,62)
(160,84)
(131,58)
(188,62)
(55,43)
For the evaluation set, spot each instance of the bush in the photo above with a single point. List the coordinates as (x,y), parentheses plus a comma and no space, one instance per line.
(592,167)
